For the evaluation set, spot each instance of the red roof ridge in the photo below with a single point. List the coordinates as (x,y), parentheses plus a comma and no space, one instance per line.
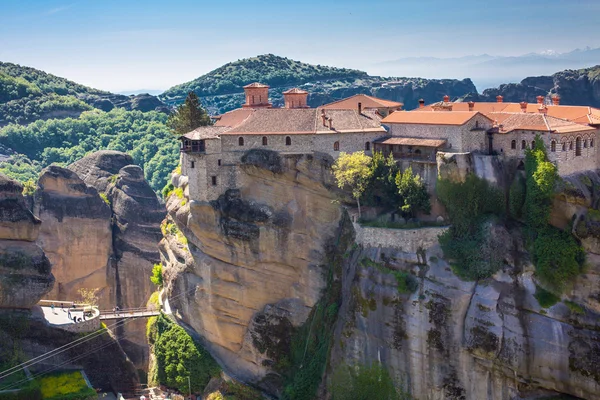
(256,85)
(295,90)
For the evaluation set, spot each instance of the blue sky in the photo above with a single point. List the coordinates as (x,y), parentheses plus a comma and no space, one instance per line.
(154,44)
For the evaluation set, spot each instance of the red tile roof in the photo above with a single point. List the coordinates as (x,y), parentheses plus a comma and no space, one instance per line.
(366,102)
(431,118)
(256,85)
(412,141)
(535,122)
(295,91)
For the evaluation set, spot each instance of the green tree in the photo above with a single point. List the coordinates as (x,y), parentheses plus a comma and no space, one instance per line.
(413,192)
(382,190)
(353,170)
(157,277)
(188,116)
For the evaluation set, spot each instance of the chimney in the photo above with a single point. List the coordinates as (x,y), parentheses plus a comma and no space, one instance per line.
(556,100)
(446,99)
(471,105)
(359,107)
(330,122)
(421,103)
(523,105)
(499,99)
(543,109)
(540,99)
(323,117)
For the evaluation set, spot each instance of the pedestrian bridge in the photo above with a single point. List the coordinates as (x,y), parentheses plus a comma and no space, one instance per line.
(142,312)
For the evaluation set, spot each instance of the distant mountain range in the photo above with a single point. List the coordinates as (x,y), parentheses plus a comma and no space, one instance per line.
(487,70)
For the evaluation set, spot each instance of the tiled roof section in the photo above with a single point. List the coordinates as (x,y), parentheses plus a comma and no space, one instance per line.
(295,91)
(206,132)
(256,85)
(535,122)
(431,118)
(412,141)
(366,101)
(579,114)
(306,121)
(234,118)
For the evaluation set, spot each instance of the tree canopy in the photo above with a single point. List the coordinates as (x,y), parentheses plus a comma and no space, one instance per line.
(188,116)
(354,171)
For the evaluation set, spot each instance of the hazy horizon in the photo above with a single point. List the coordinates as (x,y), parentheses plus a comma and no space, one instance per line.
(127,47)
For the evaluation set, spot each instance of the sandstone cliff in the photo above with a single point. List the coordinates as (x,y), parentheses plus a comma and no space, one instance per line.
(25,272)
(245,270)
(101,226)
(253,258)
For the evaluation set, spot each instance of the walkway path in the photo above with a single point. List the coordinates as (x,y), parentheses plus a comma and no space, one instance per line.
(129,313)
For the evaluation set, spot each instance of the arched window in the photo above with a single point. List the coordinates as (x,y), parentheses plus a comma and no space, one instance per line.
(264,140)
(336,146)
(288,141)
(591,142)
(571,145)
(553,146)
(252,99)
(523,145)
(578,146)
(585,143)
(367,146)
(532,144)
(513,144)
(564,146)
(241,141)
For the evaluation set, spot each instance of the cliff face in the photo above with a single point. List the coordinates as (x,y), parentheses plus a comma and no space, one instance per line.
(101,226)
(575,87)
(74,217)
(245,269)
(25,272)
(451,339)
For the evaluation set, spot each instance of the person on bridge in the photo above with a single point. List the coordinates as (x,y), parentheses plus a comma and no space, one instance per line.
(69,314)
(52,307)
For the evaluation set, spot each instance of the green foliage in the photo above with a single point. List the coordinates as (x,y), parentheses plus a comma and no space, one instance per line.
(469,202)
(413,192)
(269,69)
(144,136)
(188,116)
(29,391)
(466,243)
(167,190)
(558,257)
(157,274)
(363,383)
(29,187)
(545,298)
(15,87)
(516,197)
(105,198)
(574,307)
(178,357)
(382,190)
(238,391)
(66,386)
(178,192)
(384,223)
(407,283)
(354,171)
(541,180)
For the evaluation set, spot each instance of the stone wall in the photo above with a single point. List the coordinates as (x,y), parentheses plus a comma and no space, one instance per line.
(460,138)
(406,240)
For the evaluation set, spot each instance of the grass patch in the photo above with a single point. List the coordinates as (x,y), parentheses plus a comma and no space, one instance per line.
(154,299)
(574,307)
(545,298)
(407,283)
(105,198)
(65,385)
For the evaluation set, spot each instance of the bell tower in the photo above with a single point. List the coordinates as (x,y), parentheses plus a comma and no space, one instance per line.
(257,96)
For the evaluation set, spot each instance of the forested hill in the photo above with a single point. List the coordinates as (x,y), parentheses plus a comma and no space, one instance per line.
(28,94)
(46,119)
(575,87)
(222,89)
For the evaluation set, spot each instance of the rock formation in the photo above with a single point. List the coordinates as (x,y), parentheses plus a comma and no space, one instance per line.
(135,225)
(25,272)
(101,226)
(245,270)
(252,259)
